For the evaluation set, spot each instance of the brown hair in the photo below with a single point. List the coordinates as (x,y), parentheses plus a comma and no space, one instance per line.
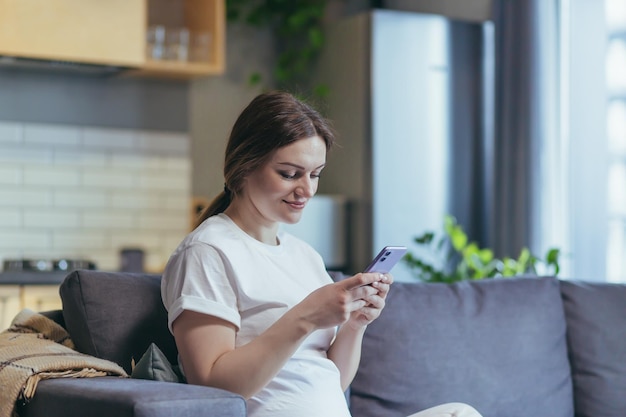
(272,120)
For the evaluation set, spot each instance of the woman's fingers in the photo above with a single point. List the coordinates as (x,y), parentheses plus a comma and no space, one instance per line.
(383,289)
(359,280)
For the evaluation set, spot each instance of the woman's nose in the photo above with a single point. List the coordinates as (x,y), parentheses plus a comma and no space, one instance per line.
(307,187)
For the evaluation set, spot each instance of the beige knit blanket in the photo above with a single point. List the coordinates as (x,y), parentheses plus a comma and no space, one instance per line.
(36,348)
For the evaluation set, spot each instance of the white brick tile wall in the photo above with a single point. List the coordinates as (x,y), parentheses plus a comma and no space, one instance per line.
(176,201)
(85,239)
(150,240)
(109,138)
(164,181)
(10,132)
(31,155)
(163,221)
(51,219)
(89,192)
(136,200)
(172,241)
(16,238)
(10,217)
(55,176)
(10,175)
(170,142)
(80,158)
(81,197)
(114,220)
(155,260)
(20,196)
(137,162)
(183,164)
(51,135)
(109,178)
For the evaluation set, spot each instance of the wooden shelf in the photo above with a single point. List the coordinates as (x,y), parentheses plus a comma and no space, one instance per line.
(176,70)
(207,16)
(112,32)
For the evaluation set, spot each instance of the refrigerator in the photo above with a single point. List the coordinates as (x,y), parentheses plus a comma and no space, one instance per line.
(389,77)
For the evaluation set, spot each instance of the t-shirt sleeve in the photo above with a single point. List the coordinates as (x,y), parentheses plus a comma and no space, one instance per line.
(196,279)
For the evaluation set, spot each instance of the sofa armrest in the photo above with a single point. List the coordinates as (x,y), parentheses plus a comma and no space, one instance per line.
(126,397)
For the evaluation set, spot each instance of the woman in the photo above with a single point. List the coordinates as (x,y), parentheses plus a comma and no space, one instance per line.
(252,309)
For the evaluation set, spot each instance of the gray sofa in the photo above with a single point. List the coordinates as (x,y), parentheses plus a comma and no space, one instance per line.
(510,347)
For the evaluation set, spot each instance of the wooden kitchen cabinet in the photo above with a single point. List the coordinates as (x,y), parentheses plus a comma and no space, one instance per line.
(41,297)
(9,304)
(14,298)
(198,16)
(111,32)
(107,32)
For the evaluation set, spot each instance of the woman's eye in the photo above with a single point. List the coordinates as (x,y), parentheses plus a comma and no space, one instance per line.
(288,175)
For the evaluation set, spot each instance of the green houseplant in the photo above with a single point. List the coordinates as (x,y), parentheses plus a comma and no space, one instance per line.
(297,27)
(460,259)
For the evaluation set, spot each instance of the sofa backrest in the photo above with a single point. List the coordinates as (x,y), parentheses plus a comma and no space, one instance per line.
(116,315)
(498,345)
(596,336)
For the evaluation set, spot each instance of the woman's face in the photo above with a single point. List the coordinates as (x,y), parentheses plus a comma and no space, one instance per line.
(280,189)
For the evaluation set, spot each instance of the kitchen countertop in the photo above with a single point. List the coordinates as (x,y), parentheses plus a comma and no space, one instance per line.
(33,277)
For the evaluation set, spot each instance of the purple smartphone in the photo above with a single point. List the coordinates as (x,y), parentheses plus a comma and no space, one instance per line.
(386,259)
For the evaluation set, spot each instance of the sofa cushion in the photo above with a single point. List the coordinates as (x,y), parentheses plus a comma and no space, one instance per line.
(498,345)
(116,315)
(154,366)
(127,397)
(596,335)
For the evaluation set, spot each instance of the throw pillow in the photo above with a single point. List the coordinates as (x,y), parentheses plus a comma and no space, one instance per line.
(116,315)
(154,365)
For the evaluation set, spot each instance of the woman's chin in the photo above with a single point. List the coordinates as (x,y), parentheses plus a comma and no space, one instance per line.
(292,218)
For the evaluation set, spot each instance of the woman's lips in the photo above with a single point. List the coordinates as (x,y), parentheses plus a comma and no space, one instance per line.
(298,205)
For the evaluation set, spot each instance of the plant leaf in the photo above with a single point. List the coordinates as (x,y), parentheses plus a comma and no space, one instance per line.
(424,239)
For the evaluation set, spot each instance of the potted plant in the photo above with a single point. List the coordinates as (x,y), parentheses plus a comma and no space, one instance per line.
(460,259)
(297,26)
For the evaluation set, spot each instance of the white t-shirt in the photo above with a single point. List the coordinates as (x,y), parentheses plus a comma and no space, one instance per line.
(221,271)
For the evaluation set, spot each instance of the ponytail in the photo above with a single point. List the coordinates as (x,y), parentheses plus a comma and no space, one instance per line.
(217,206)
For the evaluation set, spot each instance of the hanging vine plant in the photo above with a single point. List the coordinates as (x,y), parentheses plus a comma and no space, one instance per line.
(297,25)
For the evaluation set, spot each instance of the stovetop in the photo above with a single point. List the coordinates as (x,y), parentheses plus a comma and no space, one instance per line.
(40,271)
(46,265)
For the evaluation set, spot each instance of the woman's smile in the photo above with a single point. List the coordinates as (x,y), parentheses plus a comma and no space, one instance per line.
(297,205)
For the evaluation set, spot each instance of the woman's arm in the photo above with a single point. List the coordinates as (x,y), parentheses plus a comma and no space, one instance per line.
(206,344)
(345,351)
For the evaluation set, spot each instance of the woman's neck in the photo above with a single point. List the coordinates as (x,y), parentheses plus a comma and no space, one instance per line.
(251,223)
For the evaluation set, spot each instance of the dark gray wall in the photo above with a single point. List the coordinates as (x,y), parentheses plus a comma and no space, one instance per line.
(215,103)
(468,188)
(87,100)
(464,10)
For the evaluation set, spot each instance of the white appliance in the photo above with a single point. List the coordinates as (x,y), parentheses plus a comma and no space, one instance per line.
(388,74)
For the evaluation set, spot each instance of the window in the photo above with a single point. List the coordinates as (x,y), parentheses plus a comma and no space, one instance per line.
(615,12)
(593,242)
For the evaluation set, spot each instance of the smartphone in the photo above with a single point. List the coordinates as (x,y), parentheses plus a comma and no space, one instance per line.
(386,259)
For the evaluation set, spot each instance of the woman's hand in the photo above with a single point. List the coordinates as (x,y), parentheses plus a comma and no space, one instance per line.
(358,298)
(375,303)
(345,351)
